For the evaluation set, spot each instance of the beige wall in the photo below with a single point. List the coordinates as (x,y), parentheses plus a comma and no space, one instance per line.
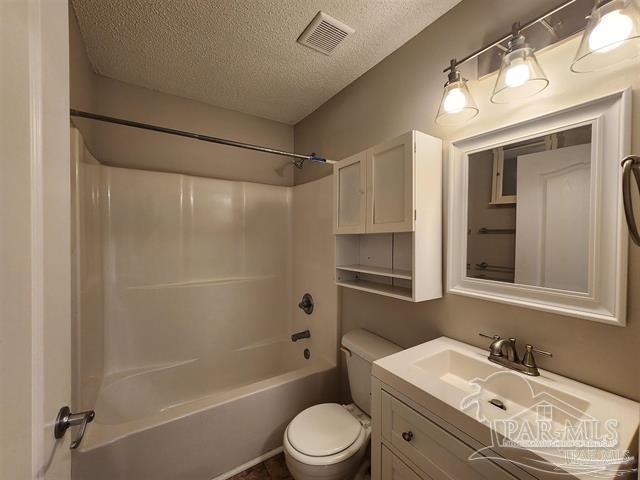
(313,263)
(402,93)
(132,148)
(82,80)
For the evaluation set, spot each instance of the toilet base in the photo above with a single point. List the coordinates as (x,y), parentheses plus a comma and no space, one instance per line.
(364,472)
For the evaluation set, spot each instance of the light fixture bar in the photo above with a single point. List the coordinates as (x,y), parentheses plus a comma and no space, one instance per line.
(523,27)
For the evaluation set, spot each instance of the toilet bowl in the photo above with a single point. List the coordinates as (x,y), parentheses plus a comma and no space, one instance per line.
(331,441)
(327,441)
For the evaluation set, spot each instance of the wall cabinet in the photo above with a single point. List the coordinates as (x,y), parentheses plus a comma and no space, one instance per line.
(350,198)
(390,184)
(388,218)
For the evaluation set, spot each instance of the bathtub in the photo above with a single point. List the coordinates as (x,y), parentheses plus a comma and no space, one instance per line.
(201,419)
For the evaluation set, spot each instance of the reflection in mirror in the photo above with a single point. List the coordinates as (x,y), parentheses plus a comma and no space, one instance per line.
(528,212)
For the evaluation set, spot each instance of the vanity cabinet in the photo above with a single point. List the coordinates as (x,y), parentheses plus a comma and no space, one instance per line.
(412,444)
(443,410)
(395,469)
(429,447)
(388,218)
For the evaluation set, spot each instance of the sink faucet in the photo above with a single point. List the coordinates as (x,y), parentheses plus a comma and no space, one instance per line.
(504,347)
(503,352)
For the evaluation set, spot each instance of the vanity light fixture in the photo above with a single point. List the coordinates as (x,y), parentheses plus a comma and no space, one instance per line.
(521,75)
(611,36)
(457,104)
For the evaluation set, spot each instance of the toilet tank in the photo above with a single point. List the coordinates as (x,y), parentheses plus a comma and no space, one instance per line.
(365,348)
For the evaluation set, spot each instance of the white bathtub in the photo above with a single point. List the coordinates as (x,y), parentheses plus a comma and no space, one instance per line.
(200,419)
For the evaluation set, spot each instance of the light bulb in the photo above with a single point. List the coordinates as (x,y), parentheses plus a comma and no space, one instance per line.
(455,101)
(457,104)
(612,29)
(517,75)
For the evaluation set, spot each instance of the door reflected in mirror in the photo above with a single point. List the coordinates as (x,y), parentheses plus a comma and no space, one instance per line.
(529,211)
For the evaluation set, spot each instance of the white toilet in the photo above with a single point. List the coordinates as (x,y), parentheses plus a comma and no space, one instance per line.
(330,441)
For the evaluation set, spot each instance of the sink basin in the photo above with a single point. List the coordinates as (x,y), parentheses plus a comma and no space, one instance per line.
(495,405)
(485,382)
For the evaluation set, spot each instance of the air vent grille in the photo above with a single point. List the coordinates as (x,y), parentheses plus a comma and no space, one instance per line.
(324,33)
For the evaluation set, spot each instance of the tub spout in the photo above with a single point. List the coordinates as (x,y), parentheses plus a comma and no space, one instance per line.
(300,335)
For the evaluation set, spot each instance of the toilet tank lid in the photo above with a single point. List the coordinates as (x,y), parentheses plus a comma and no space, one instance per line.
(368,346)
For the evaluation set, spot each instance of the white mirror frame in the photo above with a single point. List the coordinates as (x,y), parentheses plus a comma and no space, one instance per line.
(606,298)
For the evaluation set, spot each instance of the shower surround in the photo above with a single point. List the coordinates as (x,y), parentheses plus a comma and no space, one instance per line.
(186,294)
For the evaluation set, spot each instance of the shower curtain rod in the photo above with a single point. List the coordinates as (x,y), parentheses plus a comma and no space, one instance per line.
(298,162)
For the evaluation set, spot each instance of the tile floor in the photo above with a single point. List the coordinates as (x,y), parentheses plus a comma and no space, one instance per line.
(273,468)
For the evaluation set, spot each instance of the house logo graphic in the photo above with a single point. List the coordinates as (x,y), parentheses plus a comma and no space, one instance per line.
(540,430)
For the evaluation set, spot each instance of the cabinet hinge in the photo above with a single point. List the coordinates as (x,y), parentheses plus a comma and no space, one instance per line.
(415,214)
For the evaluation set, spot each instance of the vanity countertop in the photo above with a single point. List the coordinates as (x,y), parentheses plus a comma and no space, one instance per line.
(499,407)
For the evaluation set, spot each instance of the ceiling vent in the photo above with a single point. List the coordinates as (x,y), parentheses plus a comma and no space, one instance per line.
(324,33)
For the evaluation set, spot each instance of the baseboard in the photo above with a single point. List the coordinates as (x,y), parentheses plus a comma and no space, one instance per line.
(249,464)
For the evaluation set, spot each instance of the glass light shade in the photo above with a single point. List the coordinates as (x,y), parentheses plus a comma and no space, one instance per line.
(457,104)
(612,35)
(520,76)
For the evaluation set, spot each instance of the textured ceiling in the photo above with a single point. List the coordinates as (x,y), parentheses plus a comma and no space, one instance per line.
(243,54)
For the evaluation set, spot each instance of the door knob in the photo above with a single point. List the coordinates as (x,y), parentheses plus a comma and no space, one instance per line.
(67,419)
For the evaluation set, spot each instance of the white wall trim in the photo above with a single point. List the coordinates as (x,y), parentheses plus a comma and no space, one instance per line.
(37,239)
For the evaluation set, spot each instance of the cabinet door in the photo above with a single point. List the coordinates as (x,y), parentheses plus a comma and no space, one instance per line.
(390,188)
(395,469)
(435,451)
(350,199)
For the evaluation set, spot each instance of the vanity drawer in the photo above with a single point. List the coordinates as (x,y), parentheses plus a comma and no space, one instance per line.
(435,451)
(395,469)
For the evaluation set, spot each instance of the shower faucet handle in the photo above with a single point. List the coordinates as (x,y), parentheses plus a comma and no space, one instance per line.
(306,305)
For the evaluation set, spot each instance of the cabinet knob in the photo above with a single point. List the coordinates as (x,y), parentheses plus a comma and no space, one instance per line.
(407,436)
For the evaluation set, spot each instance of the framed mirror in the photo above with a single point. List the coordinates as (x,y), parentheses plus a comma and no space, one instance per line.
(535,213)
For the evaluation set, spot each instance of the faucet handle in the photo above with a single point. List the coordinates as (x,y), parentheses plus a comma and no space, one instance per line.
(537,350)
(529,360)
(492,337)
(493,347)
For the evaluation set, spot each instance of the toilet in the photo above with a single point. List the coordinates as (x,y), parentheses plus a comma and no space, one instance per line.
(330,441)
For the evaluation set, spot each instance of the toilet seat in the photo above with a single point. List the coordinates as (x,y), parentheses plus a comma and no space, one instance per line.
(326,434)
